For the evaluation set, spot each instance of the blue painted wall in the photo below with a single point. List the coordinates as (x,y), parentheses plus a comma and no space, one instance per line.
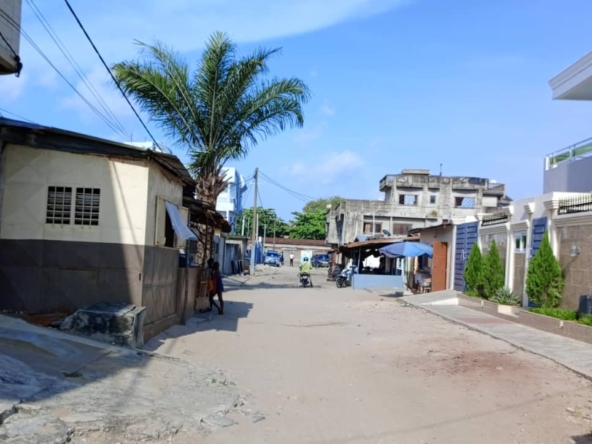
(362,281)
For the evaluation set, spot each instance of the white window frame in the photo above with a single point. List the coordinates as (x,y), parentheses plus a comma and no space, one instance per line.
(520,238)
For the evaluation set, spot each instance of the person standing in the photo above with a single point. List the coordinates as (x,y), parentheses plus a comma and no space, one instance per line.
(282,259)
(291,259)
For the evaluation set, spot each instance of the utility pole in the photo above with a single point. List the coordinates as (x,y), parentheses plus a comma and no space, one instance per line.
(274,233)
(255,224)
(264,234)
(243,229)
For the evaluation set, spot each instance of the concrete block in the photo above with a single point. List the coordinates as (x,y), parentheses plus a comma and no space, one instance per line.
(113,323)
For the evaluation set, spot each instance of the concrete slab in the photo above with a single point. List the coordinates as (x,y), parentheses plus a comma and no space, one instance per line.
(575,355)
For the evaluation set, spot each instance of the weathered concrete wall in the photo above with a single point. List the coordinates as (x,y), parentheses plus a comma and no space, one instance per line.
(435,199)
(577,270)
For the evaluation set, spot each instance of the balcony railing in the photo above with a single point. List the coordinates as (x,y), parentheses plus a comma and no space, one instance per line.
(494,219)
(571,153)
(576,204)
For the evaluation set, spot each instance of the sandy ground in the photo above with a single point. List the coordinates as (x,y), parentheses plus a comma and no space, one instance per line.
(328,365)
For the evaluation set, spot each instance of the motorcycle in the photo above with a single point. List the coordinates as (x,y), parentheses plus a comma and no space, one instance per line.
(305,280)
(333,272)
(344,278)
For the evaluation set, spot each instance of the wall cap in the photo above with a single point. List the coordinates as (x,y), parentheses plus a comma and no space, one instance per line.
(529,208)
(570,220)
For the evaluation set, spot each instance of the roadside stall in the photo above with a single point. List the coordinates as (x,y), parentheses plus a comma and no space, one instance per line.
(418,278)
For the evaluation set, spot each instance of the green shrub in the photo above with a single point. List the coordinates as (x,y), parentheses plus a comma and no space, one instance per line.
(493,271)
(586,320)
(559,313)
(505,296)
(544,281)
(474,272)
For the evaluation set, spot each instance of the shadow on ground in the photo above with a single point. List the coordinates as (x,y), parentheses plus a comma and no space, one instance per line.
(233,312)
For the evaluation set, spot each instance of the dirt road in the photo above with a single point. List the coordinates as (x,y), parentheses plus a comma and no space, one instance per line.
(323,365)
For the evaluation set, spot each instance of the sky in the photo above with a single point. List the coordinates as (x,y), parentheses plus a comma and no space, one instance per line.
(396,83)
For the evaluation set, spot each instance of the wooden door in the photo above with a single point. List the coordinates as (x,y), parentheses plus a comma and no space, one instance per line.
(439,266)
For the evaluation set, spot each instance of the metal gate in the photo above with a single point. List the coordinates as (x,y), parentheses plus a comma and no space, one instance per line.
(466,236)
(539,227)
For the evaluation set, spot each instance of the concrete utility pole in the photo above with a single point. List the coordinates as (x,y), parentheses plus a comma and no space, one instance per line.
(255,224)
(274,234)
(243,229)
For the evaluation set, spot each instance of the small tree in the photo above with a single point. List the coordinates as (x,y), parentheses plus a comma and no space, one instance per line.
(544,281)
(493,271)
(474,271)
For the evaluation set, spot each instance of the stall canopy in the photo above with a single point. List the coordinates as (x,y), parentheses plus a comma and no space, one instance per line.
(406,249)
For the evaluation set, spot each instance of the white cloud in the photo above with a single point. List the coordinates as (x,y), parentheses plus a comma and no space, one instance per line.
(306,136)
(12,87)
(104,88)
(182,24)
(328,169)
(327,109)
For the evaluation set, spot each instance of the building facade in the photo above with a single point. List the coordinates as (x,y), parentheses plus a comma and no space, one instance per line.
(567,170)
(413,199)
(230,201)
(85,220)
(10,23)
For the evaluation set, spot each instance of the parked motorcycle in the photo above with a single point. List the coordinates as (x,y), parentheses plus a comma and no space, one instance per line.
(345,277)
(305,280)
(333,272)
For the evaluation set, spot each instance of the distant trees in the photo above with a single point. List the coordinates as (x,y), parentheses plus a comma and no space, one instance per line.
(321,204)
(309,225)
(267,217)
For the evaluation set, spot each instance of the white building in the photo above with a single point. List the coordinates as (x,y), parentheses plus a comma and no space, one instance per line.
(567,170)
(230,201)
(10,21)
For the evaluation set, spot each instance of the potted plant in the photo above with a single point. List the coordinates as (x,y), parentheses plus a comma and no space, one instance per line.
(508,301)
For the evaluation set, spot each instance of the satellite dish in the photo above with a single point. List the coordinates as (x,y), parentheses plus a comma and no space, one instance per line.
(386,233)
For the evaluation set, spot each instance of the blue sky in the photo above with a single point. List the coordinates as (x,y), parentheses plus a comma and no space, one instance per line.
(396,84)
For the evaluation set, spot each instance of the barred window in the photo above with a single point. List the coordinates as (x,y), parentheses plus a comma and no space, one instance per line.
(86,211)
(59,205)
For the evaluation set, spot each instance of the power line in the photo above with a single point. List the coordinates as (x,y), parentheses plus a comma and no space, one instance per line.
(302,197)
(110,73)
(260,201)
(64,50)
(42,54)
(2,110)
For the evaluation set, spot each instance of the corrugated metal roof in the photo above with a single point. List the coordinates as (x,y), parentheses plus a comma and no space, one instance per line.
(38,136)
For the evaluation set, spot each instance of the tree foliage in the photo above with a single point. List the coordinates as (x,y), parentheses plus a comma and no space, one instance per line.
(544,281)
(321,204)
(474,272)
(309,225)
(493,271)
(267,217)
(219,110)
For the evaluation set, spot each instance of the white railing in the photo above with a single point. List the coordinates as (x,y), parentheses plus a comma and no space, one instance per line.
(569,154)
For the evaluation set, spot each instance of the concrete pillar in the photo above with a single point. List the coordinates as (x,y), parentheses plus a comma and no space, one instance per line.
(529,208)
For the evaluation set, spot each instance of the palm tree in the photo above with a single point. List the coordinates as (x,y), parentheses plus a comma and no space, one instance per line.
(219,111)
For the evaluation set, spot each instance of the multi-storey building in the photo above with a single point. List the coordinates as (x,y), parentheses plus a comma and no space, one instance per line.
(230,201)
(414,199)
(569,169)
(10,23)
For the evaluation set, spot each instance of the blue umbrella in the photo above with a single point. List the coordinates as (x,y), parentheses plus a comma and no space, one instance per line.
(407,249)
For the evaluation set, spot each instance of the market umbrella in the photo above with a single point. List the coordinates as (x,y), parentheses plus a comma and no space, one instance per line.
(407,249)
